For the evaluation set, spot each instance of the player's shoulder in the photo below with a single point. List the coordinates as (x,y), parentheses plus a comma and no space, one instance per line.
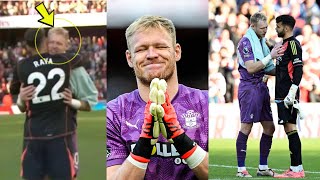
(191,99)
(59,58)
(295,40)
(26,63)
(45,56)
(79,71)
(294,46)
(77,60)
(192,93)
(25,60)
(244,41)
(294,43)
(126,99)
(244,45)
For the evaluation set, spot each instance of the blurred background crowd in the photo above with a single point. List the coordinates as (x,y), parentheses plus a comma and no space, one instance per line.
(27,7)
(93,51)
(228,22)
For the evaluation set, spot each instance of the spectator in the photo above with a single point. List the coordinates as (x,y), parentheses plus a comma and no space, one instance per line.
(27,7)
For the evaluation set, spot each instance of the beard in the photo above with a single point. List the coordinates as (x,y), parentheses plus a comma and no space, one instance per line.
(146,79)
(281,34)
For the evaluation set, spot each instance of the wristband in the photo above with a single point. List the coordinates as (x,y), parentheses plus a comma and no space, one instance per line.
(20,103)
(266,60)
(293,89)
(142,150)
(137,163)
(196,158)
(184,145)
(76,104)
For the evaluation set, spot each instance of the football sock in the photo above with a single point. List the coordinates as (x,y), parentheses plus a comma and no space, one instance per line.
(263,167)
(265,146)
(241,145)
(294,168)
(295,148)
(240,169)
(300,167)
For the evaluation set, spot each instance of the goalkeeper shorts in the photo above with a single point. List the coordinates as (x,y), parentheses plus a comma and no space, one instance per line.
(57,158)
(286,115)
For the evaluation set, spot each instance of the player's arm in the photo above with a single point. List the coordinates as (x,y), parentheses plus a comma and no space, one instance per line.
(269,44)
(272,72)
(253,67)
(296,60)
(84,91)
(75,103)
(192,153)
(201,171)
(127,169)
(26,94)
(15,82)
(297,64)
(120,164)
(296,56)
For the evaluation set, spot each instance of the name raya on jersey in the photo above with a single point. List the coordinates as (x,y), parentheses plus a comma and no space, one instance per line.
(124,122)
(288,67)
(47,116)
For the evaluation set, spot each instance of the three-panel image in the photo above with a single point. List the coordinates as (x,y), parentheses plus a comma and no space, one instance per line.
(120,89)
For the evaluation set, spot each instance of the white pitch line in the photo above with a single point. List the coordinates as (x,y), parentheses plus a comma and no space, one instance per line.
(235,178)
(252,178)
(225,166)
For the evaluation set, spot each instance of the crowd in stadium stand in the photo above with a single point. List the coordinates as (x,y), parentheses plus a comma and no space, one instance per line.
(27,7)
(93,51)
(228,22)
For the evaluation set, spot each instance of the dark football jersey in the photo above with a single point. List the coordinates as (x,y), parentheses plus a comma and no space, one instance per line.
(47,116)
(286,66)
(15,82)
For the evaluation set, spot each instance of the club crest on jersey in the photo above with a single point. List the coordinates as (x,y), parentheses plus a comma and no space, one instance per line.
(191,119)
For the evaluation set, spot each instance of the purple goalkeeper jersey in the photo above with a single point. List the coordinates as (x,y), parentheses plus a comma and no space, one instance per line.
(244,52)
(125,116)
(253,93)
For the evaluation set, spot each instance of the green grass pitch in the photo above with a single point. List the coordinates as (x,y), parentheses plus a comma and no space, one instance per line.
(222,158)
(91,142)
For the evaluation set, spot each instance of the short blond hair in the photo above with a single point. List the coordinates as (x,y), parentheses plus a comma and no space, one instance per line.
(256,17)
(150,21)
(59,30)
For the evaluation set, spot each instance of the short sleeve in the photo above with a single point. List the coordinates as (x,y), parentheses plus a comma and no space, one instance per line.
(83,87)
(117,151)
(245,50)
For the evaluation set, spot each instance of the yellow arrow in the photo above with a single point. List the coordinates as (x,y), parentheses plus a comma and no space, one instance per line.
(47,18)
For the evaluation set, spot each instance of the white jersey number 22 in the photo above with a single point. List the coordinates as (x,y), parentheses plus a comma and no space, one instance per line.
(43,81)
